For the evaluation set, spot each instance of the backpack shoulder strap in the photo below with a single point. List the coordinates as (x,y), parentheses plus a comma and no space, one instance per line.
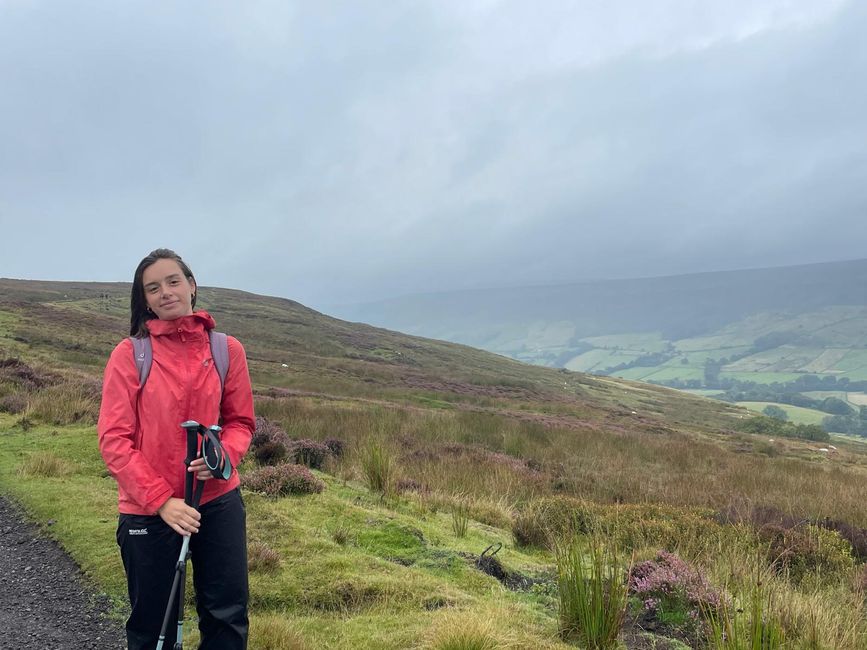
(143,352)
(220,354)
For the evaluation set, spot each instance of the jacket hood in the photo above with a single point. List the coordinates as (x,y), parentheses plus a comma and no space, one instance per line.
(198,321)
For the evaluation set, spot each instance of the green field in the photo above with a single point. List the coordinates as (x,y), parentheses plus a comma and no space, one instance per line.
(797,414)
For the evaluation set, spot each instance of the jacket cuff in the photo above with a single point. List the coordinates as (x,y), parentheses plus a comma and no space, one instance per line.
(155,502)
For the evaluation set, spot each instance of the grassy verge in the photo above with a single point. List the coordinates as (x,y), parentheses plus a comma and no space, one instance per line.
(353,569)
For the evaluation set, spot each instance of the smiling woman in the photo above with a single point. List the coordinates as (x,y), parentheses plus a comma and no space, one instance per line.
(143,445)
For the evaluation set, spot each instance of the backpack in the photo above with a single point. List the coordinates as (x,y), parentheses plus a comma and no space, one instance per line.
(143,351)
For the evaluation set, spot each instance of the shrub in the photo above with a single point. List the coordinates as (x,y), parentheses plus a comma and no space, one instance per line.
(23,376)
(675,594)
(856,536)
(409,485)
(807,551)
(336,446)
(309,452)
(592,595)
(15,403)
(261,557)
(282,480)
(270,453)
(268,431)
(378,465)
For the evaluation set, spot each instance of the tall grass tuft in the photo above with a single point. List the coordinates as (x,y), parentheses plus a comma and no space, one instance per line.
(261,557)
(274,632)
(460,518)
(736,629)
(378,465)
(592,593)
(44,463)
(466,631)
(65,403)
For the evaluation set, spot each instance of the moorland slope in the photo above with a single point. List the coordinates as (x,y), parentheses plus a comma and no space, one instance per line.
(436,451)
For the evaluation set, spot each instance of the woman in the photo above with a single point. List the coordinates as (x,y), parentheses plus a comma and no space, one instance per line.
(144,447)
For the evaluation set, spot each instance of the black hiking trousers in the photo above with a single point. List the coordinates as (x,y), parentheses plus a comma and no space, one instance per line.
(218,553)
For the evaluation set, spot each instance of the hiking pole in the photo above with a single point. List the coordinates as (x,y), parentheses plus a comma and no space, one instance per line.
(193,429)
(218,463)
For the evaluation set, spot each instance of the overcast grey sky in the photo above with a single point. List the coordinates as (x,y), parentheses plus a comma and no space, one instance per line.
(340,151)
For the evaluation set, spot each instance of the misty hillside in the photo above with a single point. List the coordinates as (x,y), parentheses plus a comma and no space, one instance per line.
(422,457)
(294,349)
(607,326)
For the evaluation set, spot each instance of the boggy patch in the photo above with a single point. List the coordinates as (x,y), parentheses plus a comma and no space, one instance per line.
(489,564)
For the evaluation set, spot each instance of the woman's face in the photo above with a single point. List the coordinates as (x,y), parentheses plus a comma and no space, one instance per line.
(168,293)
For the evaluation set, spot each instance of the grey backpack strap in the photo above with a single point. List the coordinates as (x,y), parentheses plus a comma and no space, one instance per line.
(143,352)
(220,354)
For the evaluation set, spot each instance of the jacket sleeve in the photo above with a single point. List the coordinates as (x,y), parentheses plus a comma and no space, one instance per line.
(236,410)
(117,433)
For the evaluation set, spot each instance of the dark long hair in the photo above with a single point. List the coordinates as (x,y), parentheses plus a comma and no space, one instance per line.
(138,306)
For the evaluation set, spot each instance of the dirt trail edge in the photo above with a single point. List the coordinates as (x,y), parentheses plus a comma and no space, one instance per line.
(45,601)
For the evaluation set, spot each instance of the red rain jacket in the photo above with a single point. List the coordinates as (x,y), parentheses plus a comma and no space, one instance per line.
(140,437)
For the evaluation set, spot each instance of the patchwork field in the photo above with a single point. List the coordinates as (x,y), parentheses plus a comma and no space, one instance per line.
(796,414)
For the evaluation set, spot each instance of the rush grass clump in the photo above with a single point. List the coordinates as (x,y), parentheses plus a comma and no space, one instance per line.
(45,464)
(460,518)
(592,594)
(378,465)
(66,403)
(262,558)
(282,480)
(751,626)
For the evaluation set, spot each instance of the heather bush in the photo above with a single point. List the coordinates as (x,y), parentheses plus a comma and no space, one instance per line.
(282,480)
(592,594)
(23,376)
(15,403)
(270,453)
(808,551)
(674,594)
(336,446)
(268,431)
(310,453)
(409,485)
(856,536)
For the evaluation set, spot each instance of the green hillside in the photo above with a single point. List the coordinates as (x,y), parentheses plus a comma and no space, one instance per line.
(760,325)
(473,449)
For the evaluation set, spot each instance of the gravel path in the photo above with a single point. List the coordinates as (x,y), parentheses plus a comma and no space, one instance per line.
(45,602)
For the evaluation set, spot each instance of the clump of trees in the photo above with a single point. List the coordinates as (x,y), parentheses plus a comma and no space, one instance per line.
(778,428)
